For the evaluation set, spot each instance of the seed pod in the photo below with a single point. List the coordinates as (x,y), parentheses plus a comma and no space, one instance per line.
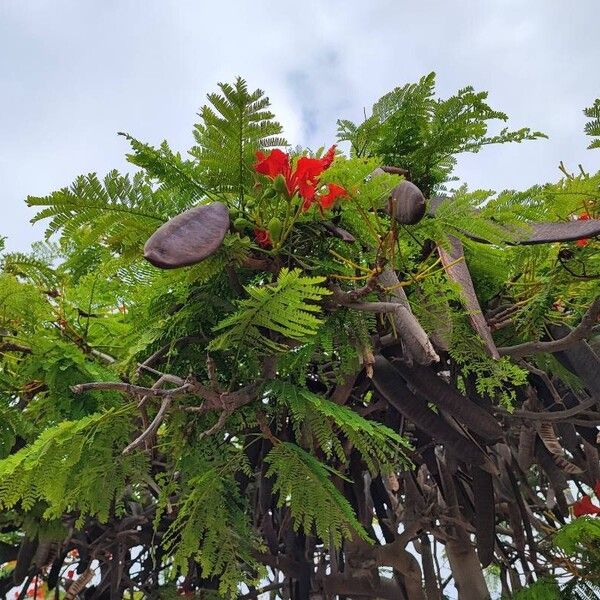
(189,237)
(407,203)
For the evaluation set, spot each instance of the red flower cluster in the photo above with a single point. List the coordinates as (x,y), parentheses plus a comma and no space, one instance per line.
(585,506)
(583,241)
(304,179)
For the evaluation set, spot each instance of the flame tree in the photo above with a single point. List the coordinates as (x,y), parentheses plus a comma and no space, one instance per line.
(247,370)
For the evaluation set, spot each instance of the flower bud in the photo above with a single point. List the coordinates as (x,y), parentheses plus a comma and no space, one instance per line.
(279,185)
(241,224)
(275,228)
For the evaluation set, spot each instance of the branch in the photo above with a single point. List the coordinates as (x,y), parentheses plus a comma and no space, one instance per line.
(559,415)
(580,332)
(105,358)
(134,390)
(267,588)
(12,347)
(406,325)
(160,353)
(152,428)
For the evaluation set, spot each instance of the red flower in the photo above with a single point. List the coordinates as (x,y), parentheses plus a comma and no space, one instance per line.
(70,573)
(583,241)
(303,180)
(585,507)
(263,238)
(335,191)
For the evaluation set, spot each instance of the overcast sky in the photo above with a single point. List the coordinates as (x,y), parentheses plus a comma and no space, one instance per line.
(74,72)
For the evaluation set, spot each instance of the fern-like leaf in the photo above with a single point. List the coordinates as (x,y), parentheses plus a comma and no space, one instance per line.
(233,126)
(378,444)
(592,127)
(286,307)
(304,483)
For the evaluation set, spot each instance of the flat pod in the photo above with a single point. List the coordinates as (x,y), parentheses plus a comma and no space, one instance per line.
(408,203)
(189,237)
(568,231)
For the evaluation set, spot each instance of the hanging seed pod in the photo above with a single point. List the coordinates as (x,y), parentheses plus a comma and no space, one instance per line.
(568,231)
(189,237)
(407,203)
(485,515)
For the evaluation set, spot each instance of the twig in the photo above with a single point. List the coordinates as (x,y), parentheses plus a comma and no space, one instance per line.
(267,588)
(151,429)
(165,376)
(154,358)
(134,390)
(544,377)
(405,323)
(105,358)
(219,424)
(559,415)
(579,333)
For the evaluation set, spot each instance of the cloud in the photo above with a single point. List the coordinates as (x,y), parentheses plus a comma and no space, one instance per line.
(72,74)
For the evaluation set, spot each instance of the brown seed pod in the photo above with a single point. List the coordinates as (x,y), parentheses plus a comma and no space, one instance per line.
(407,203)
(189,237)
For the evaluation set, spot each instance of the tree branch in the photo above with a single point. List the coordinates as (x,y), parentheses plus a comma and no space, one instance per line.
(12,347)
(153,427)
(559,415)
(134,390)
(580,332)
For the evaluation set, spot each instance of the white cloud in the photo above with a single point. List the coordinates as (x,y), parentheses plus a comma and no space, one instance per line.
(72,74)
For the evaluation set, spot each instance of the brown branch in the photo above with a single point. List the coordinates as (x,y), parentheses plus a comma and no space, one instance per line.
(105,358)
(267,588)
(407,326)
(559,415)
(134,390)
(153,427)
(12,347)
(154,358)
(580,332)
(228,401)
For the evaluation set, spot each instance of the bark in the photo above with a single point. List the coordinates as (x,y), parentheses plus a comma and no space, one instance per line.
(409,330)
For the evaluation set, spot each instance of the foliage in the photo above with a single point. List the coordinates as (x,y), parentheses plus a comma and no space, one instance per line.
(288,308)
(314,500)
(218,428)
(592,127)
(410,128)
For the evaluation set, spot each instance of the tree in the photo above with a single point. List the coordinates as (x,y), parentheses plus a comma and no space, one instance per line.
(318,384)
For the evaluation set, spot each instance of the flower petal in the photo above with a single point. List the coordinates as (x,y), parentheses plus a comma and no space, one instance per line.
(328,158)
(335,192)
(585,507)
(276,163)
(263,238)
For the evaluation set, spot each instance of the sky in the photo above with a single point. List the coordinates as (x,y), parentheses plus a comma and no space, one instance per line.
(73,73)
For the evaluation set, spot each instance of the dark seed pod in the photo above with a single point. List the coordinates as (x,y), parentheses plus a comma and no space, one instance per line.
(407,203)
(568,231)
(485,515)
(189,237)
